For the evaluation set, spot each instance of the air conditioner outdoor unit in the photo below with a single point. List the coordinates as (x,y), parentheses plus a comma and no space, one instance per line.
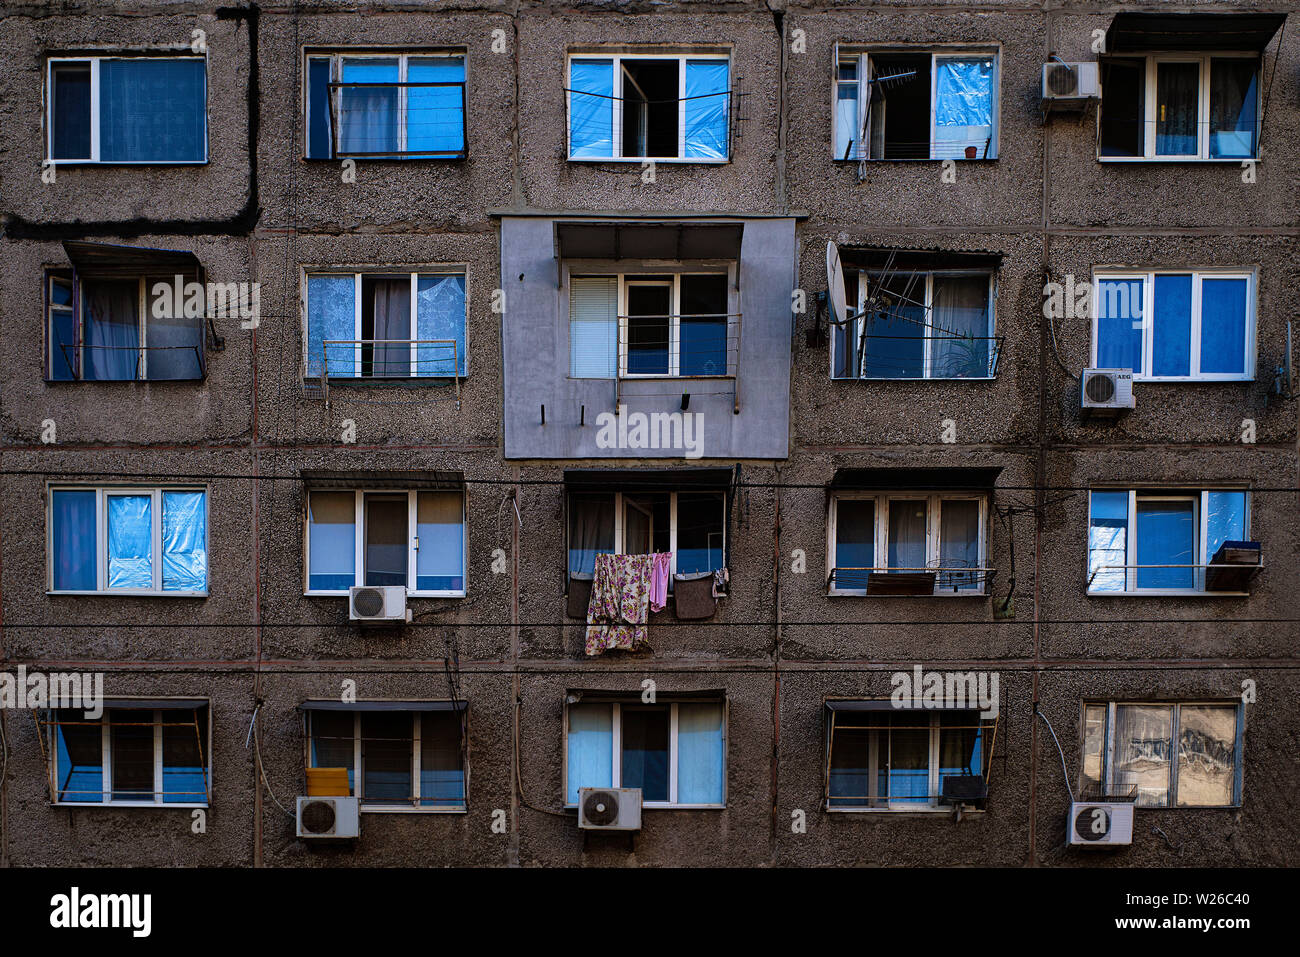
(1100,824)
(331,818)
(1106,391)
(1066,82)
(383,604)
(609,809)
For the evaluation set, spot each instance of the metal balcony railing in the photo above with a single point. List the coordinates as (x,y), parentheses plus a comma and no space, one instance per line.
(1198,578)
(390,359)
(942,356)
(915,580)
(398,120)
(70,352)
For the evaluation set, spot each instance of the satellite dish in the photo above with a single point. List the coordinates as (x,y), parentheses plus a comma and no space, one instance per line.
(835,283)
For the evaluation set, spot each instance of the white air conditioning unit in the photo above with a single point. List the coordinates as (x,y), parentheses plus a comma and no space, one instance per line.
(1106,390)
(1066,82)
(609,809)
(332,818)
(1100,824)
(383,604)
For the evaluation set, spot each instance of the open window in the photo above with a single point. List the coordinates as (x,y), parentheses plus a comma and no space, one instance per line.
(649,106)
(910,105)
(690,525)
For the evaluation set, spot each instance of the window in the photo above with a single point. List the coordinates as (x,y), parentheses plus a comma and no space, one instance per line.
(690,525)
(410,538)
(919,325)
(886,759)
(386,106)
(1175,326)
(127,110)
(887,533)
(634,106)
(1179,107)
(1174,755)
(121,329)
(652,326)
(144,753)
(676,753)
(400,326)
(395,759)
(1159,541)
(900,105)
(129,541)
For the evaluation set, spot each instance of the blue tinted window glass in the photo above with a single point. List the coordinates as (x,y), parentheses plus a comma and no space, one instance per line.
(185,756)
(71,111)
(1166,535)
(440,527)
(855,542)
(79,758)
(1119,324)
(700,753)
(442,773)
(1233,106)
(74,540)
(368,107)
(435,115)
(320,143)
(1172,326)
(1223,326)
(590,748)
(152,110)
(645,751)
(707,94)
(331,561)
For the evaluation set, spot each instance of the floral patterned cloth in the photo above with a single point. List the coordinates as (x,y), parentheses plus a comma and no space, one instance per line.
(620,603)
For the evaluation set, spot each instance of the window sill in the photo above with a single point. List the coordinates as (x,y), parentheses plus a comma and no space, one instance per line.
(200,378)
(131,593)
(969,378)
(1218,160)
(938,594)
(657,806)
(1194,380)
(918,159)
(450,158)
(131,804)
(381,382)
(409,594)
(1168,593)
(904,812)
(379,809)
(125,163)
(675,160)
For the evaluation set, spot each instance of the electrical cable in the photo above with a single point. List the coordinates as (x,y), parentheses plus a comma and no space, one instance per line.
(1064,770)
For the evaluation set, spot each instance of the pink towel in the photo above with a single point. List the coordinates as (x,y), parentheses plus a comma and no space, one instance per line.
(659,580)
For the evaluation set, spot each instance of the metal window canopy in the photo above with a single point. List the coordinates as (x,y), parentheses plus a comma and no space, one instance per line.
(405,479)
(905,480)
(673,480)
(1132,32)
(110,259)
(334,705)
(681,241)
(929,259)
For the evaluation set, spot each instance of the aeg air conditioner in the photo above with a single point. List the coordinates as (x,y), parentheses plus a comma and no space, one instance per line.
(328,817)
(1066,82)
(1106,391)
(1100,824)
(383,604)
(609,809)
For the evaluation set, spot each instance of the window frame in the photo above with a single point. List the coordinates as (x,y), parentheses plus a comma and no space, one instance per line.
(1147,322)
(617,120)
(1152,59)
(620,521)
(933,543)
(102,494)
(359,542)
(94,62)
(106,758)
(862,57)
(1200,523)
(1108,749)
(616,744)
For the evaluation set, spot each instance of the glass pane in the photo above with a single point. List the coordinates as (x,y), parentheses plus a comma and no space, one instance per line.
(856,765)
(110,323)
(331,559)
(1094,745)
(184,541)
(846,113)
(387,542)
(152,110)
(1233,106)
(1108,542)
(707,96)
(591,531)
(80,758)
(1172,351)
(63,332)
(590,748)
(130,541)
(959,543)
(704,339)
(440,531)
(895,330)
(440,315)
(442,774)
(593,327)
(1123,102)
(387,749)
(1207,749)
(960,347)
(386,318)
(701,753)
(131,747)
(1119,324)
(855,542)
(961,745)
(1225,520)
(333,740)
(320,138)
(331,325)
(1223,326)
(368,114)
(699,532)
(591,108)
(645,751)
(185,755)
(1166,535)
(71,125)
(435,115)
(648,326)
(908,520)
(1177,95)
(174,342)
(73,535)
(963,108)
(1143,744)
(909,760)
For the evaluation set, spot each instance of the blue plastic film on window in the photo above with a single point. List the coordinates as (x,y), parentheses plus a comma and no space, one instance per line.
(591,108)
(435,115)
(440,525)
(74,540)
(368,114)
(1166,535)
(331,325)
(707,96)
(185,541)
(1172,326)
(1108,541)
(963,108)
(320,141)
(152,110)
(590,748)
(1119,323)
(440,314)
(130,541)
(700,753)
(332,541)
(71,124)
(1223,326)
(1225,520)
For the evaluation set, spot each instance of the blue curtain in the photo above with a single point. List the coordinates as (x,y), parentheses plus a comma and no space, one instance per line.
(152,110)
(700,754)
(909,759)
(368,114)
(707,95)
(184,541)
(591,748)
(111,327)
(74,540)
(1172,326)
(1119,324)
(320,143)
(435,119)
(440,314)
(1108,541)
(332,541)
(1223,325)
(1225,520)
(591,108)
(963,107)
(1233,107)
(331,314)
(1166,535)
(130,541)
(440,525)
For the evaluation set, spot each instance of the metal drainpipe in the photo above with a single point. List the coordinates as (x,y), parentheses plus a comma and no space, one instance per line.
(516,712)
(776,671)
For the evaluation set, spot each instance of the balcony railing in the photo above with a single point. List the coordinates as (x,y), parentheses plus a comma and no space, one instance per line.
(942,357)
(69,353)
(398,120)
(391,360)
(917,580)
(1200,574)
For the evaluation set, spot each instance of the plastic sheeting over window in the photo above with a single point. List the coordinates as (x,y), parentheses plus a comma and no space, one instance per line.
(707,97)
(130,541)
(184,541)
(591,108)
(963,107)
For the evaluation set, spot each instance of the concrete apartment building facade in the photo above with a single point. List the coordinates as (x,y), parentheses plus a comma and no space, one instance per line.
(533,226)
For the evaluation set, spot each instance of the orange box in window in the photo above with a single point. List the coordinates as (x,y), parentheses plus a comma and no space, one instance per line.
(327,782)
